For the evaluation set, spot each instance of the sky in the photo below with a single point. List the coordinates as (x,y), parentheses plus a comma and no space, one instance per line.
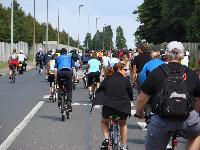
(110,12)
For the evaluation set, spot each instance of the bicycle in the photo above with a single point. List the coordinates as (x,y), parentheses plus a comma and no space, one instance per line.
(13,76)
(54,92)
(114,133)
(64,109)
(73,82)
(85,81)
(94,88)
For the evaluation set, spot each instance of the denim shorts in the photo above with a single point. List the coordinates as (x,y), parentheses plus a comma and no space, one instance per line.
(160,130)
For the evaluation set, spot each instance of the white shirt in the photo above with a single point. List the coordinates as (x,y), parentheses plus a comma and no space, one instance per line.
(21,57)
(105,61)
(185,61)
(113,61)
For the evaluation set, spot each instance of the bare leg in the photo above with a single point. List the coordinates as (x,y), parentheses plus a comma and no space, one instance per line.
(105,128)
(123,132)
(90,90)
(193,144)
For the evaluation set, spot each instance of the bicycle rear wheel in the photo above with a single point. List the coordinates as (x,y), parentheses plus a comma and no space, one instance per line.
(63,107)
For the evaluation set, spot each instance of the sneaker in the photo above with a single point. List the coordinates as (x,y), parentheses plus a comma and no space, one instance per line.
(124,147)
(105,145)
(50,97)
(69,106)
(90,96)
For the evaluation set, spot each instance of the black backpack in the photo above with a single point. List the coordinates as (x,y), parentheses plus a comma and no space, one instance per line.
(173,101)
(75,56)
(39,56)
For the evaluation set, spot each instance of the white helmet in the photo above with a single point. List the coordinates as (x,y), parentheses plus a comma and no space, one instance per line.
(21,51)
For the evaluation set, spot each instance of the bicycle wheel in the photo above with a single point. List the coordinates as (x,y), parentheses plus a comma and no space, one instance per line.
(63,107)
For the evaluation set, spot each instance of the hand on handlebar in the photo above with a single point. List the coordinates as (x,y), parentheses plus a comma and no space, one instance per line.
(139,116)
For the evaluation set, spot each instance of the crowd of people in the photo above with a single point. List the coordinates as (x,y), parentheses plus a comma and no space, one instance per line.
(166,87)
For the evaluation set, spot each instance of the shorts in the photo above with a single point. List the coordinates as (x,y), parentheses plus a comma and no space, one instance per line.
(51,78)
(67,76)
(160,130)
(108,111)
(93,76)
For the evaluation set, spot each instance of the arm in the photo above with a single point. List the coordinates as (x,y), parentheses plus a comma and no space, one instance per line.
(130,91)
(134,71)
(141,102)
(197,104)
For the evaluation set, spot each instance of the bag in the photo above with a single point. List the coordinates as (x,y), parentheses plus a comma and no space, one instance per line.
(75,57)
(39,57)
(173,101)
(85,59)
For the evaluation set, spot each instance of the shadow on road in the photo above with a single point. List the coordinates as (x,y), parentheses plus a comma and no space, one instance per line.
(54,118)
(137,141)
(133,126)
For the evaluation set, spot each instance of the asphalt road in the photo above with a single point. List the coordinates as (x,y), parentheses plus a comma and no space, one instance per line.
(46,130)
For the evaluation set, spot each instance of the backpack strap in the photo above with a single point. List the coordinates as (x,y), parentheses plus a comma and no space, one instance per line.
(165,69)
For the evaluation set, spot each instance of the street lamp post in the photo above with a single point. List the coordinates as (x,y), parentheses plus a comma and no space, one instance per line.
(34,46)
(97,22)
(79,13)
(103,35)
(88,27)
(12,25)
(47,25)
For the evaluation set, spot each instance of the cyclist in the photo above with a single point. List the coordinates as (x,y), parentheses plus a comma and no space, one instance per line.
(93,67)
(160,127)
(22,59)
(113,60)
(115,94)
(51,75)
(39,59)
(149,66)
(63,70)
(47,58)
(137,64)
(13,61)
(76,59)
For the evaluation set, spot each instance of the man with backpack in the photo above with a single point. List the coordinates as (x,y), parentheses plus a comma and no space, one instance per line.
(174,91)
(76,58)
(39,58)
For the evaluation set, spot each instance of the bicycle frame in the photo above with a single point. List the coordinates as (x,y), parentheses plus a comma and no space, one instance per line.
(114,133)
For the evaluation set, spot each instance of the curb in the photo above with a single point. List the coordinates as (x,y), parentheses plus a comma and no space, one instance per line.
(5,74)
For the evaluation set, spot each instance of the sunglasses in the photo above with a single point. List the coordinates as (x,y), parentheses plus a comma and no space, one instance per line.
(125,69)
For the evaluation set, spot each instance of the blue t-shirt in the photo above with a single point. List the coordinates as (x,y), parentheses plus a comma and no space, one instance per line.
(64,62)
(94,65)
(148,67)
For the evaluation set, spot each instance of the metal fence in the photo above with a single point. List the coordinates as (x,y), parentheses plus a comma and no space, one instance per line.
(193,48)
(5,49)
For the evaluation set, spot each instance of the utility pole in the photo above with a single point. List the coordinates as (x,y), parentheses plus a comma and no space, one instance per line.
(58,29)
(12,3)
(88,27)
(47,25)
(97,23)
(68,40)
(79,13)
(34,46)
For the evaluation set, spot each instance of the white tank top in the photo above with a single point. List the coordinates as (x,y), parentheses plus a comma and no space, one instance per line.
(52,65)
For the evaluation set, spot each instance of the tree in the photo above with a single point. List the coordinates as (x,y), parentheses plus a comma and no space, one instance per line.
(107,38)
(88,41)
(97,41)
(120,39)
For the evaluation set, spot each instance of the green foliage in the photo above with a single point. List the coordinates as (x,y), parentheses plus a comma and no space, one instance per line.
(120,39)
(167,20)
(88,41)
(193,63)
(23,28)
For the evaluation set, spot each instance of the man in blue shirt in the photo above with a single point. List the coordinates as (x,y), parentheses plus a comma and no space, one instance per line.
(149,66)
(63,70)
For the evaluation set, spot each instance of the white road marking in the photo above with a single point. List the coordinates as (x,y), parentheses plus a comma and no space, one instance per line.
(132,104)
(133,112)
(97,106)
(0,127)
(10,139)
(142,125)
(76,104)
(46,96)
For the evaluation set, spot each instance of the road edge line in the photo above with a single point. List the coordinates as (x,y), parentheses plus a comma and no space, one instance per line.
(11,138)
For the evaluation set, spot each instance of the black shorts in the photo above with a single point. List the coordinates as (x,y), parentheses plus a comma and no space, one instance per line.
(67,76)
(93,76)
(107,112)
(51,78)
